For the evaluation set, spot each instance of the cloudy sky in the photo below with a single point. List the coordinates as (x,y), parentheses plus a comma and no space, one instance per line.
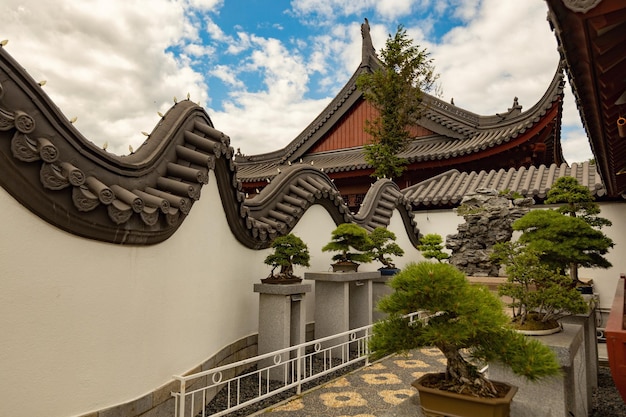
(264,69)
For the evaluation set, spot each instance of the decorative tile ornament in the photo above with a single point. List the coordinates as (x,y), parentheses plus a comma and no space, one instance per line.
(582,6)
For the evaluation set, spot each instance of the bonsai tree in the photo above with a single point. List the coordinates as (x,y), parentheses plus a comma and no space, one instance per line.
(563,242)
(540,295)
(352,242)
(394,89)
(289,250)
(463,318)
(432,247)
(577,201)
(383,244)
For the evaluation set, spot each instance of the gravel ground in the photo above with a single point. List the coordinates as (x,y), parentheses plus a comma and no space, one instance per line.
(249,388)
(606,400)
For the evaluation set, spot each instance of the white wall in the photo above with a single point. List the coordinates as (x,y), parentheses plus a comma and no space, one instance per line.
(87,325)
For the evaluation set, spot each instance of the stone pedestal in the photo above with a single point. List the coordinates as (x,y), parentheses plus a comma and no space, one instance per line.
(281,322)
(590,336)
(343,301)
(561,396)
(380,289)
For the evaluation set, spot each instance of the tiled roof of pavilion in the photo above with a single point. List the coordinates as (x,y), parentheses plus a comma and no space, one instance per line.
(142,198)
(457,131)
(448,189)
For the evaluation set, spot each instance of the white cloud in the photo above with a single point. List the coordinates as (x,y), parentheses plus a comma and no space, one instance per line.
(112,64)
(105,61)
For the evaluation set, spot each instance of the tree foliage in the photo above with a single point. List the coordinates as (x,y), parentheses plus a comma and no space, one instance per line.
(395,90)
(351,241)
(432,247)
(539,294)
(383,244)
(289,250)
(563,240)
(460,317)
(576,200)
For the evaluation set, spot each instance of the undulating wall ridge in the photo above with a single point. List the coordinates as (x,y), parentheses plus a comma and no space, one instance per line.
(142,198)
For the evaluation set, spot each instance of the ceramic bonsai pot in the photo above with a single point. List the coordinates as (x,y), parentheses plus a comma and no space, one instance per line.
(436,403)
(345,266)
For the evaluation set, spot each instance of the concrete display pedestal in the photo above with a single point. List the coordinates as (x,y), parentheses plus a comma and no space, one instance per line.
(281,321)
(561,396)
(380,289)
(590,336)
(343,301)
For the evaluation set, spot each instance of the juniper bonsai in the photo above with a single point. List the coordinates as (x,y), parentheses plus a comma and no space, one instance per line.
(540,295)
(289,250)
(383,244)
(431,247)
(351,241)
(466,323)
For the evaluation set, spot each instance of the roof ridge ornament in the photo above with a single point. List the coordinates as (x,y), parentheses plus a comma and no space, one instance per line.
(582,6)
(368,47)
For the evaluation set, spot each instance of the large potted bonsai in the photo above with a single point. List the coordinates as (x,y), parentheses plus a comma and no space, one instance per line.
(468,325)
(568,237)
(288,250)
(576,200)
(539,294)
(352,242)
(383,244)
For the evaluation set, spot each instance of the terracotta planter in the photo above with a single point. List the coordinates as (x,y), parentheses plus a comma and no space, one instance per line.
(436,403)
(615,333)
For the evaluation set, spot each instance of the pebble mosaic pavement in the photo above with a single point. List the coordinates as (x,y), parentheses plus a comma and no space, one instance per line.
(373,391)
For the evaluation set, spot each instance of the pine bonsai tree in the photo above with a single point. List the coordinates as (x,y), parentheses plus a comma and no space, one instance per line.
(577,202)
(352,242)
(540,295)
(289,250)
(395,90)
(563,241)
(383,244)
(463,318)
(432,247)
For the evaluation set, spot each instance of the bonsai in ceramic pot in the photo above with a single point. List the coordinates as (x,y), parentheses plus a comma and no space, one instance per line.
(568,237)
(352,242)
(383,244)
(288,250)
(539,294)
(468,325)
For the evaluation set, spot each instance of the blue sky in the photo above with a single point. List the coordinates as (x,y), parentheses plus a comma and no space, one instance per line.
(264,69)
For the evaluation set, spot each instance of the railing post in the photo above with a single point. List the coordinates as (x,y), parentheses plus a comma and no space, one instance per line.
(181,403)
(299,370)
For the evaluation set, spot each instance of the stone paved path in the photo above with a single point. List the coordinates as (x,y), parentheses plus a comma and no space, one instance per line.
(373,391)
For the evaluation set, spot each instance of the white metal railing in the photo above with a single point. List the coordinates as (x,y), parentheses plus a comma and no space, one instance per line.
(273,372)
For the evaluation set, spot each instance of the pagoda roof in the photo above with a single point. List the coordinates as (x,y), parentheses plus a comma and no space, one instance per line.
(455,131)
(448,189)
(591,36)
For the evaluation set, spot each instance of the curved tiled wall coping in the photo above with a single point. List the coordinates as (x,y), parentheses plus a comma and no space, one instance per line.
(142,198)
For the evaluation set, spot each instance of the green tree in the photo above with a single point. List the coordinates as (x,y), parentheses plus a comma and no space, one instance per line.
(576,201)
(539,294)
(461,320)
(563,240)
(432,247)
(383,244)
(289,250)
(351,241)
(395,90)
